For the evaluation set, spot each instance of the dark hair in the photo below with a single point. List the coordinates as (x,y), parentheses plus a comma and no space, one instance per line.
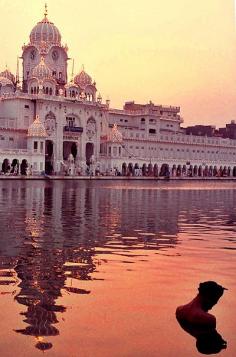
(211,289)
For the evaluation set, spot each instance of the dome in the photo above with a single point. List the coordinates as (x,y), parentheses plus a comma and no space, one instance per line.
(115,135)
(5,81)
(45,31)
(8,74)
(37,128)
(83,79)
(41,71)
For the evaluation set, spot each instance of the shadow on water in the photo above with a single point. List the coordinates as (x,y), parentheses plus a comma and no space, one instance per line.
(55,235)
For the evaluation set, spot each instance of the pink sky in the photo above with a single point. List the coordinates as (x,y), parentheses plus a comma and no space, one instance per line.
(175,52)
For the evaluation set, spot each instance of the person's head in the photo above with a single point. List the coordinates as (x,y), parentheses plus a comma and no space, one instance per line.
(210,292)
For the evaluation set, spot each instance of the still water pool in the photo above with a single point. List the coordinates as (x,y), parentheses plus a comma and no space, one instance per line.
(98,268)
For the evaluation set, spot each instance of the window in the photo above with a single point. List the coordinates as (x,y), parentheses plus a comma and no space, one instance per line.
(11,139)
(35,166)
(70,122)
(152,131)
(41,147)
(142,120)
(26,106)
(35,146)
(41,166)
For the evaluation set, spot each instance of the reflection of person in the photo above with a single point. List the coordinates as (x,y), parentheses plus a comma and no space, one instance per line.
(195,319)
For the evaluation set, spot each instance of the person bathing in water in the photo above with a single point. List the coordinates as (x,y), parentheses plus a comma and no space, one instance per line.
(195,319)
(196,311)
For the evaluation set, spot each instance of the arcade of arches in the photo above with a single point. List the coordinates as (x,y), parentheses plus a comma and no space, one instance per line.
(166,170)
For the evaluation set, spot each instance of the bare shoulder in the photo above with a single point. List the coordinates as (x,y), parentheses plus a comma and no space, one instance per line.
(195,316)
(179,311)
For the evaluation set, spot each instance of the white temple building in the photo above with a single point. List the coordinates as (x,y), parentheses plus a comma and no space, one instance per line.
(51,125)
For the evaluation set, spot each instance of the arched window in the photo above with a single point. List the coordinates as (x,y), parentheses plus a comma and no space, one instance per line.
(50,123)
(50,91)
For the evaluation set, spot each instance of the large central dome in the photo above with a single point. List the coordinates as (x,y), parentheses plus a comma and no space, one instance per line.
(45,31)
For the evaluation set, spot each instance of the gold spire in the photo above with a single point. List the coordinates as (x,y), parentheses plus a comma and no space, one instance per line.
(46,10)
(72,71)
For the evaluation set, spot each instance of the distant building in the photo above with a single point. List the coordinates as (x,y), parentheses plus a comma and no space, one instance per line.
(52,124)
(201,130)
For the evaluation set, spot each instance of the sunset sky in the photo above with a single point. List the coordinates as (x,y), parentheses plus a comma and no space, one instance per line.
(173,52)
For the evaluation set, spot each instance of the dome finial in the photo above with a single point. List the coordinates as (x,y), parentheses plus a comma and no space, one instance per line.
(46,10)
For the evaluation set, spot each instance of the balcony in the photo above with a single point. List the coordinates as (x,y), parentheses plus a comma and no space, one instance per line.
(73,129)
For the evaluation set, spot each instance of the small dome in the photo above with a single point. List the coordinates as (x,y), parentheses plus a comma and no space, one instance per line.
(8,74)
(37,128)
(115,135)
(5,81)
(45,31)
(41,71)
(83,79)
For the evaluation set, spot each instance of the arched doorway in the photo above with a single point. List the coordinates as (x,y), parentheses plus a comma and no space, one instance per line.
(23,167)
(195,170)
(69,147)
(165,170)
(173,171)
(220,172)
(179,171)
(89,151)
(210,171)
(130,169)
(6,166)
(150,170)
(15,166)
(190,171)
(200,171)
(144,170)
(206,171)
(48,157)
(124,169)
(155,169)
(215,171)
(224,172)
(136,169)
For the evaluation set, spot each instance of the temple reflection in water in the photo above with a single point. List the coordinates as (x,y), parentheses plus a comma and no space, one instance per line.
(53,235)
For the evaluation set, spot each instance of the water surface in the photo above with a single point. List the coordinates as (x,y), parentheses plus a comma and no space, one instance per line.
(98,268)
